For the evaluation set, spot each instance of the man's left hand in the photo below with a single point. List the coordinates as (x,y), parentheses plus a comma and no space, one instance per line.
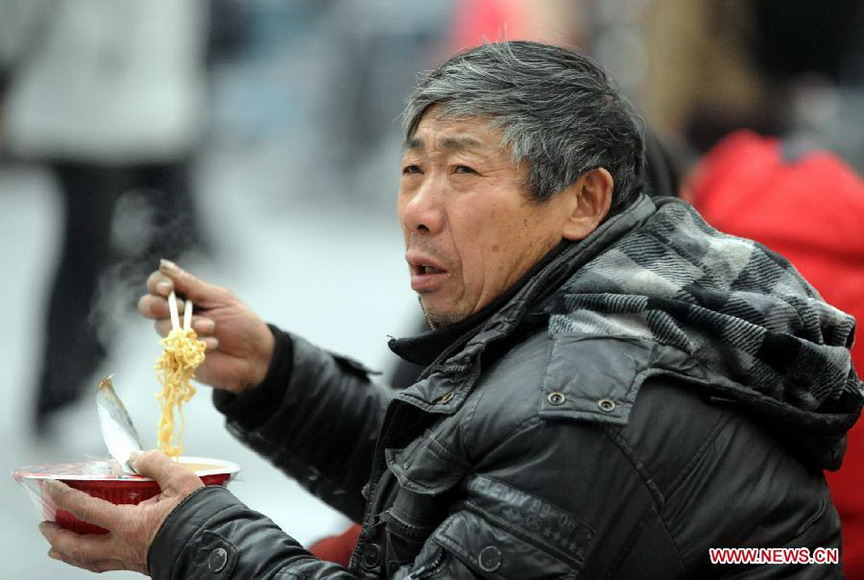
(131,528)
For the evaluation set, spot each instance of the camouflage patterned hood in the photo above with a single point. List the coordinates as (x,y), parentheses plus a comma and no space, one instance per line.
(735,308)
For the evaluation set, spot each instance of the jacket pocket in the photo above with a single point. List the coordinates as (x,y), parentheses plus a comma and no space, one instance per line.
(490,550)
(426,467)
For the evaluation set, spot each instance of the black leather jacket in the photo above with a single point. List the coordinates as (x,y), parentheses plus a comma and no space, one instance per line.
(557,440)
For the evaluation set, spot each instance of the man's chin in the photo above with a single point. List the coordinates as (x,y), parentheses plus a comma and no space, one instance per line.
(437,318)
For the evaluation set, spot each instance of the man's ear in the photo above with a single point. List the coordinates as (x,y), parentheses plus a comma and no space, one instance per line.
(590,202)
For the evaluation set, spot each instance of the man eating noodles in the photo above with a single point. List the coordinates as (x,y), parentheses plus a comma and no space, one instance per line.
(611,387)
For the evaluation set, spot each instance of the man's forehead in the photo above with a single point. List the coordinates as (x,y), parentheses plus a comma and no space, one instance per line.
(453,135)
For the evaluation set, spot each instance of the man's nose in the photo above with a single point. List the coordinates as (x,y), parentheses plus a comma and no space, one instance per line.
(422,210)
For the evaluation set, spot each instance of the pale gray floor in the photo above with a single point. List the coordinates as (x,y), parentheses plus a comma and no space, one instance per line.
(332,273)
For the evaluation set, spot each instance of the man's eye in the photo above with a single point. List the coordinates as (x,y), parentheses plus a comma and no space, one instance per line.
(411,169)
(463,169)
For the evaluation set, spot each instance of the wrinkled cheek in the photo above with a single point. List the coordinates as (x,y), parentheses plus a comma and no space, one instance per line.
(474,289)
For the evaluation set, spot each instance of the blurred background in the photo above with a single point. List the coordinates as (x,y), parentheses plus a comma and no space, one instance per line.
(256,142)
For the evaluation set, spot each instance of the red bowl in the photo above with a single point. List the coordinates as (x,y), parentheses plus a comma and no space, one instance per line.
(99,479)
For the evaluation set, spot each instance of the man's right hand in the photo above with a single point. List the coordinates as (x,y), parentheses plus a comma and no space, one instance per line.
(239,343)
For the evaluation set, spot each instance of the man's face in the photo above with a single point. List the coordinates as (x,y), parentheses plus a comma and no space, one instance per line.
(471,230)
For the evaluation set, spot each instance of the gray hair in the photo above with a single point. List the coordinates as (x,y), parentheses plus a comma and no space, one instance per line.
(557,110)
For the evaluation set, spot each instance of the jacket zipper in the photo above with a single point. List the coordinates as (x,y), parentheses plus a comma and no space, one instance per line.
(430,569)
(374,479)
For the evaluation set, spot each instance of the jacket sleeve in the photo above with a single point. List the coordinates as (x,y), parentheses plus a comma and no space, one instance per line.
(212,535)
(316,417)
(501,527)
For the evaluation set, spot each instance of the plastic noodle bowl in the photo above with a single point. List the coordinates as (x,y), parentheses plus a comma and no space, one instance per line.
(113,480)
(104,480)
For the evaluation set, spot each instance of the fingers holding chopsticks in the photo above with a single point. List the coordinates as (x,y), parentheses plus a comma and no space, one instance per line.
(239,342)
(162,304)
(172,278)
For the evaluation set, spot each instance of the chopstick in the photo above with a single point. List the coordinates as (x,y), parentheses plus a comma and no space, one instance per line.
(172,308)
(187,315)
(175,314)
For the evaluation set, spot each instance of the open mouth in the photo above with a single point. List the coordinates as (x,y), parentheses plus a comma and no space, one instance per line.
(426,275)
(427,269)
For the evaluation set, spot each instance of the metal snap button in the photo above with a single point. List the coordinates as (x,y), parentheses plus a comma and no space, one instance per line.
(606,405)
(556,398)
(217,559)
(489,559)
(446,398)
(371,555)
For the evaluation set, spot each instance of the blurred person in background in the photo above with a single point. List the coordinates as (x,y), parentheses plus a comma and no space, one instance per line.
(790,68)
(574,323)
(558,22)
(110,95)
(367,53)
